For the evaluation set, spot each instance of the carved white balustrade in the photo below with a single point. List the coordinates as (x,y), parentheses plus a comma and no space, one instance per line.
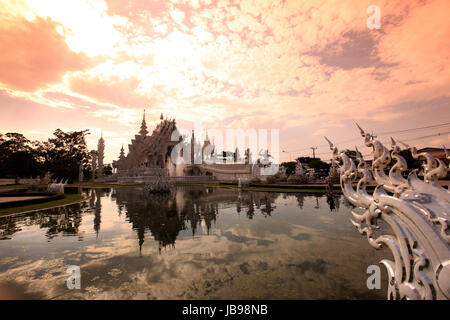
(417,212)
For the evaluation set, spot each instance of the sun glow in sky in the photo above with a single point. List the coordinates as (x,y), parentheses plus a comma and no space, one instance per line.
(308,68)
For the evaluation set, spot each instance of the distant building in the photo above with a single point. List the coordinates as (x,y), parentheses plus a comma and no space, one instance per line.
(437,153)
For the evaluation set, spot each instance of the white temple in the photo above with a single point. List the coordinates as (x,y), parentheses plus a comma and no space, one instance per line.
(150,155)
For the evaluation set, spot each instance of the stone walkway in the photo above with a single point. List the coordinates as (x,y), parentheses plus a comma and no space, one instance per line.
(6,181)
(11,199)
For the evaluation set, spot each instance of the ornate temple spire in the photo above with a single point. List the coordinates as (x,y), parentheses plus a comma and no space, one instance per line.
(100,156)
(205,144)
(122,153)
(161,118)
(192,147)
(143,131)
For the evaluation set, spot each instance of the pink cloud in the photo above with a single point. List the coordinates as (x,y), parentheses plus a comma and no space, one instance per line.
(303,66)
(35,54)
(129,8)
(115,90)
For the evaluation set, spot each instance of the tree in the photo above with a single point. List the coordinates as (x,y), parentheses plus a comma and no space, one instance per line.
(87,172)
(318,164)
(306,160)
(107,170)
(63,154)
(314,163)
(14,143)
(20,164)
(290,167)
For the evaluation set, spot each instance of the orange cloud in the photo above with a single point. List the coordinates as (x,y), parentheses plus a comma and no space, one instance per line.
(120,92)
(303,66)
(34,54)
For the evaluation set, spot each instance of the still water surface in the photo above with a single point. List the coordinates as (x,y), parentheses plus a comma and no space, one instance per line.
(197,243)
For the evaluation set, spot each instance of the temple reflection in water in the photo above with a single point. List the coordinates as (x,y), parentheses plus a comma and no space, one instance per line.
(163,216)
(196,242)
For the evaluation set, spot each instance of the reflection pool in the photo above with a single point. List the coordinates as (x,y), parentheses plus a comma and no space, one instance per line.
(195,243)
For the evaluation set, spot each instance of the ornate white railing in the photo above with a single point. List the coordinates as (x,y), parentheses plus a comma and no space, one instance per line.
(417,211)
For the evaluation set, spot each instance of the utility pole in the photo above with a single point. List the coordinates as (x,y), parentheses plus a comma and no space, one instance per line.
(314,152)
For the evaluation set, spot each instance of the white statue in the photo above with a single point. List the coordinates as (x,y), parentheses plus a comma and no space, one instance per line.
(46,179)
(415,210)
(57,187)
(265,157)
(299,171)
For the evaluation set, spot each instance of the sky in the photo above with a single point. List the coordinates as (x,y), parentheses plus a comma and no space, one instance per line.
(307,68)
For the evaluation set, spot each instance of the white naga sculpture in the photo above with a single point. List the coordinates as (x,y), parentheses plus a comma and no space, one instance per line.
(299,171)
(300,175)
(57,186)
(416,211)
(333,174)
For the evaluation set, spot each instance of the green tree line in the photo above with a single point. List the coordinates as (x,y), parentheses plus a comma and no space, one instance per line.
(61,155)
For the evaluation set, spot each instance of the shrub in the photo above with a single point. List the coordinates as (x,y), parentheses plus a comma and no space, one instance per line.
(255,180)
(271,179)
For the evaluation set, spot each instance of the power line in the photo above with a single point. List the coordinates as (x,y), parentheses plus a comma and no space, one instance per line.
(429,136)
(411,139)
(381,133)
(415,129)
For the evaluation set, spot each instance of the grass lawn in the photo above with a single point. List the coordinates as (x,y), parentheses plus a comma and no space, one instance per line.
(104,185)
(68,198)
(206,184)
(284,190)
(20,186)
(267,188)
(13,186)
